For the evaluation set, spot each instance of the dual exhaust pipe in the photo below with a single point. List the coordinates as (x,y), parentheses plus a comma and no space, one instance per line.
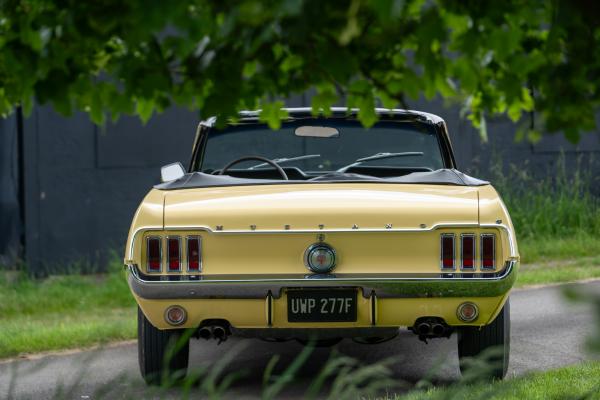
(431,328)
(217,331)
(435,329)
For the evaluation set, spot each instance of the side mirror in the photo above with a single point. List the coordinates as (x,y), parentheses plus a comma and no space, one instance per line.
(170,172)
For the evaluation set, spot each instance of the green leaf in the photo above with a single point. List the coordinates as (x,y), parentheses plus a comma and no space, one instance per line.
(483,128)
(534,135)
(352,28)
(322,102)
(27,104)
(366,112)
(386,100)
(527,100)
(278,50)
(272,114)
(96,111)
(250,69)
(144,108)
(291,62)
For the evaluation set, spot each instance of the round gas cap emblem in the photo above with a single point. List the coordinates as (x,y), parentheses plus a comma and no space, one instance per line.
(320,258)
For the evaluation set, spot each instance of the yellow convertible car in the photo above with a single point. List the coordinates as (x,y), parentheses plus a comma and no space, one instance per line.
(318,231)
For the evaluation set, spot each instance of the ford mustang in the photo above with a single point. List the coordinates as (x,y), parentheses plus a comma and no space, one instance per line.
(319,231)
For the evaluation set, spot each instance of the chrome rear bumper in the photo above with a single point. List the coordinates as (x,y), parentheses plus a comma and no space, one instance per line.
(253,286)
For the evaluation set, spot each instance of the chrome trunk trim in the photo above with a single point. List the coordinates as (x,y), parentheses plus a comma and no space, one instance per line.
(216,231)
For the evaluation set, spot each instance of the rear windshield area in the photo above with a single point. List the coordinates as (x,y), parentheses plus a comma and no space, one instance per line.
(328,145)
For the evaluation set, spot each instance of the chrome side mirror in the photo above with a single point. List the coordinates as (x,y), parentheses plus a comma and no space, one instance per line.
(170,172)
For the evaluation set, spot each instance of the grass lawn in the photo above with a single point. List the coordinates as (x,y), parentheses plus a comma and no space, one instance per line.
(574,382)
(64,312)
(557,260)
(540,249)
(54,331)
(559,271)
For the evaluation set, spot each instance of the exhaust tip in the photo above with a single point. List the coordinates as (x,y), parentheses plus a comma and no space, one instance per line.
(423,328)
(204,333)
(219,332)
(438,329)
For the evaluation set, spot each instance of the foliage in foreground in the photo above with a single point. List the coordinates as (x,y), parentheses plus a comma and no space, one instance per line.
(574,382)
(340,377)
(138,57)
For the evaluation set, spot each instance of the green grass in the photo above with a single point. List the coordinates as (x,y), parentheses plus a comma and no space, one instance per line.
(539,248)
(574,382)
(22,335)
(560,271)
(21,295)
(63,312)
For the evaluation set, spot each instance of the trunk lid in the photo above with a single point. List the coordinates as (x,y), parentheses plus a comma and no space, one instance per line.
(374,228)
(335,206)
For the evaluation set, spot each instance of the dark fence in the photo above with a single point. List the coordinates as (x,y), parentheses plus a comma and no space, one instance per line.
(82,183)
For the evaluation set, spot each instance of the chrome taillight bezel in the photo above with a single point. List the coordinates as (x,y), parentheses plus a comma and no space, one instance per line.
(168,263)
(444,236)
(187,243)
(160,254)
(471,236)
(481,251)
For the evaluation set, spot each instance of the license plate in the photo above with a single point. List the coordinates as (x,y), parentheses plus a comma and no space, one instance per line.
(326,305)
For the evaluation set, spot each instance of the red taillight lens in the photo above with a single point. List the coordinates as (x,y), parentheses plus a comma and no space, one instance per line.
(488,251)
(153,254)
(173,254)
(468,251)
(447,251)
(193,253)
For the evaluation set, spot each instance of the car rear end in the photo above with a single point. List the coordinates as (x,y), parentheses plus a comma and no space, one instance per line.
(403,254)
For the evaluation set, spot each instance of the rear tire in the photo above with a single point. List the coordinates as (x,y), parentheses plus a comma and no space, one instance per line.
(153,348)
(472,341)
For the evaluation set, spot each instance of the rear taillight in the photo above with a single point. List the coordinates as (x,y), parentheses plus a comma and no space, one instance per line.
(488,251)
(174,253)
(447,255)
(153,254)
(193,253)
(467,247)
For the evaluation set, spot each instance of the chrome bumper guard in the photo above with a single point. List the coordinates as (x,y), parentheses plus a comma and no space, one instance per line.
(253,286)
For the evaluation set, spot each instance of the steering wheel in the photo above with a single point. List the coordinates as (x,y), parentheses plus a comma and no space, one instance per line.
(257,158)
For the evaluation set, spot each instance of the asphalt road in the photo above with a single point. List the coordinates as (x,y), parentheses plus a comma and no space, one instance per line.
(547,332)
